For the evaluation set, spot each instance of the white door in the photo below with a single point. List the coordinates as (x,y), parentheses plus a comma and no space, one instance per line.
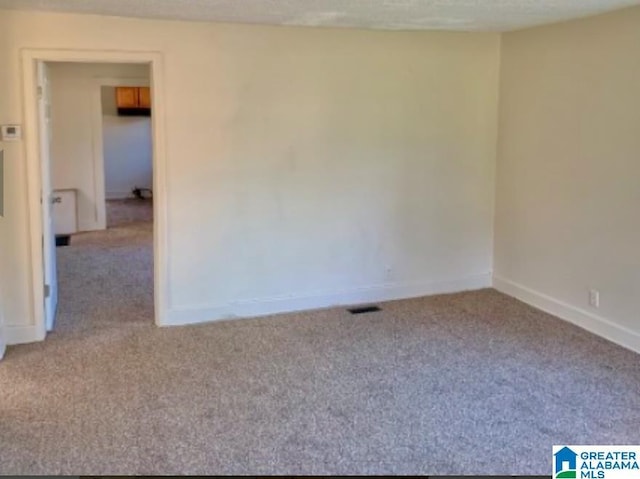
(48,235)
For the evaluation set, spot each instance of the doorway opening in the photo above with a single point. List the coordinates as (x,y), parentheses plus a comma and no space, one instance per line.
(127,151)
(111,267)
(102,208)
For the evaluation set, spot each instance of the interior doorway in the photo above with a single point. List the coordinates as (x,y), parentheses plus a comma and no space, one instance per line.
(127,151)
(102,210)
(44,147)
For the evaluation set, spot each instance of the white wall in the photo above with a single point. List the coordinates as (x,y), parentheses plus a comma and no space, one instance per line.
(73,109)
(127,149)
(568,184)
(306,167)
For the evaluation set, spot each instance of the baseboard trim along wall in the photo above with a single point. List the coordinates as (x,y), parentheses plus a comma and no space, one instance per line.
(118,195)
(584,319)
(251,308)
(3,334)
(22,334)
(3,344)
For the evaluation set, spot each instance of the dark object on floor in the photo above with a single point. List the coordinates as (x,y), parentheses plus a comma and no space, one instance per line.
(142,193)
(364,309)
(63,240)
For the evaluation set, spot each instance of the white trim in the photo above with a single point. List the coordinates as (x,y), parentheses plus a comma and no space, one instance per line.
(3,336)
(31,139)
(97,138)
(118,195)
(34,180)
(286,304)
(160,192)
(23,334)
(567,312)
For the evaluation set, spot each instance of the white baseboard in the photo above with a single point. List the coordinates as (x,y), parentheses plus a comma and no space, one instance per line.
(22,334)
(117,195)
(286,304)
(3,336)
(584,319)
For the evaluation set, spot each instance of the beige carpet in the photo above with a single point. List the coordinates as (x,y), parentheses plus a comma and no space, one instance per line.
(129,210)
(471,383)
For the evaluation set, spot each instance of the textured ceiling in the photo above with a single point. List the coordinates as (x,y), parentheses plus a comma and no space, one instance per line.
(495,15)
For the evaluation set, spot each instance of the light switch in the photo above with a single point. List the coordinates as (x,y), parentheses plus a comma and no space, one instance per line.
(11,132)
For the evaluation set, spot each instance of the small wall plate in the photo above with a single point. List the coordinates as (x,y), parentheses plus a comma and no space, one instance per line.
(10,132)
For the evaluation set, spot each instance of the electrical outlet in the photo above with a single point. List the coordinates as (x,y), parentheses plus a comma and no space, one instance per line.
(594,298)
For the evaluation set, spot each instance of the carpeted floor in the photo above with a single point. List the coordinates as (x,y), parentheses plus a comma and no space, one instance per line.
(470,383)
(129,210)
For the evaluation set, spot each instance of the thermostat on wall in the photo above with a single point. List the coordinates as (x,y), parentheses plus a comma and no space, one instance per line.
(11,132)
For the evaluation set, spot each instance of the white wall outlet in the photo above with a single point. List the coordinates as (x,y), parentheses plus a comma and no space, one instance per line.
(594,298)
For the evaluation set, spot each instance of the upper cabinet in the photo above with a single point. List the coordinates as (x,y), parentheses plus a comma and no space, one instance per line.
(144,97)
(126,97)
(133,100)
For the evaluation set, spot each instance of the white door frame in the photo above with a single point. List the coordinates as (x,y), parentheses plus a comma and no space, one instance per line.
(46,195)
(34,175)
(98,140)
(3,336)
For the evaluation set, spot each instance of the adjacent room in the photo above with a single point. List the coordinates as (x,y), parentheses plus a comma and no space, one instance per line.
(100,151)
(317,238)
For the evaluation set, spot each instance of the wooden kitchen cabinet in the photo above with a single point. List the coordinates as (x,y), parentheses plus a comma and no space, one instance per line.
(144,97)
(127,97)
(133,100)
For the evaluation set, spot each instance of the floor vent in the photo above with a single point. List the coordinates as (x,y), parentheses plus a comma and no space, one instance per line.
(62,240)
(364,309)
